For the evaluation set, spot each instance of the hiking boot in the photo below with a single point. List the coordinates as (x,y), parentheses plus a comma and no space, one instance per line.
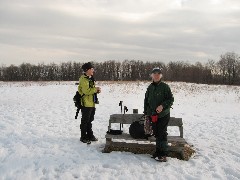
(84,140)
(93,138)
(155,155)
(161,158)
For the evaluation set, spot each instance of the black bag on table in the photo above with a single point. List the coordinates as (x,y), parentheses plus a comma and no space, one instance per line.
(136,130)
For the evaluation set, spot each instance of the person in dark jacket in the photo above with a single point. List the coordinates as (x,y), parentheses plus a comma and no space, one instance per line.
(88,91)
(157,103)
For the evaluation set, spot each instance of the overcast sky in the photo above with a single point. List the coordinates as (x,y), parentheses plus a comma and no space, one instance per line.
(81,30)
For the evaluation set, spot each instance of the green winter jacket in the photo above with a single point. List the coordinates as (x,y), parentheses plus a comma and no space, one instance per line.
(158,94)
(86,88)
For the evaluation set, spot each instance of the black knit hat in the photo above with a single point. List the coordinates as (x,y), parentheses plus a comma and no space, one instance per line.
(157,70)
(87,66)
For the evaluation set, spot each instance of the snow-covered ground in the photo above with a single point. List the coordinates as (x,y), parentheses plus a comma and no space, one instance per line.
(40,137)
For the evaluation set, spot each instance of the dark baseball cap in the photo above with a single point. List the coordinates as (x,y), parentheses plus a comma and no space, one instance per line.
(157,70)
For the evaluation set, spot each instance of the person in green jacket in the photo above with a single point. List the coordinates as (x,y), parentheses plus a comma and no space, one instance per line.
(157,103)
(88,91)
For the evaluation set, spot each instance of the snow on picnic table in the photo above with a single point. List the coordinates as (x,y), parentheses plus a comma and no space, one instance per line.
(40,137)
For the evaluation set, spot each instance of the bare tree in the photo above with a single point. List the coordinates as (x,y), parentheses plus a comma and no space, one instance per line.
(228,64)
(225,71)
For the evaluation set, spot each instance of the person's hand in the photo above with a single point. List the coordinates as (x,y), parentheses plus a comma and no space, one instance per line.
(98,89)
(159,109)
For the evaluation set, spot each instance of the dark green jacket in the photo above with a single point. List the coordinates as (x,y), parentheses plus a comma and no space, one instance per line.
(87,87)
(158,94)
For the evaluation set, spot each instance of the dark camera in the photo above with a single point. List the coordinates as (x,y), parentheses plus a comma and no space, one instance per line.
(95,99)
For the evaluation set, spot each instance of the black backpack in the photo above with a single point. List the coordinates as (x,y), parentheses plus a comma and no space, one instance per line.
(136,130)
(77,100)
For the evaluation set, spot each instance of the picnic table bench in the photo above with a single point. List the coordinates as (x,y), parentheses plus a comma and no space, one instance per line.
(177,145)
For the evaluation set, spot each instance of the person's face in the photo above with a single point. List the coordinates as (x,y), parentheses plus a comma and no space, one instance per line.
(156,77)
(90,72)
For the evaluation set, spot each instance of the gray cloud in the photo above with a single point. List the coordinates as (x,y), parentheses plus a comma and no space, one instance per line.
(190,30)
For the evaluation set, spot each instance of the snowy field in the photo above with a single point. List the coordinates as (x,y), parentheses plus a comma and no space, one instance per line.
(40,137)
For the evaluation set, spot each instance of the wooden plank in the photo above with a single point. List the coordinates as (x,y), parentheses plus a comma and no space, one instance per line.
(181,131)
(126,136)
(123,136)
(131,145)
(175,121)
(125,118)
(176,139)
(130,118)
(147,147)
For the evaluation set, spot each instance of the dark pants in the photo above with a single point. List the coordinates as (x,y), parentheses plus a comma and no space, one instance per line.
(160,132)
(86,122)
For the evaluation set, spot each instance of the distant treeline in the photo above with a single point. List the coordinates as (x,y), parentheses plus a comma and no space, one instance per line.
(224,71)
